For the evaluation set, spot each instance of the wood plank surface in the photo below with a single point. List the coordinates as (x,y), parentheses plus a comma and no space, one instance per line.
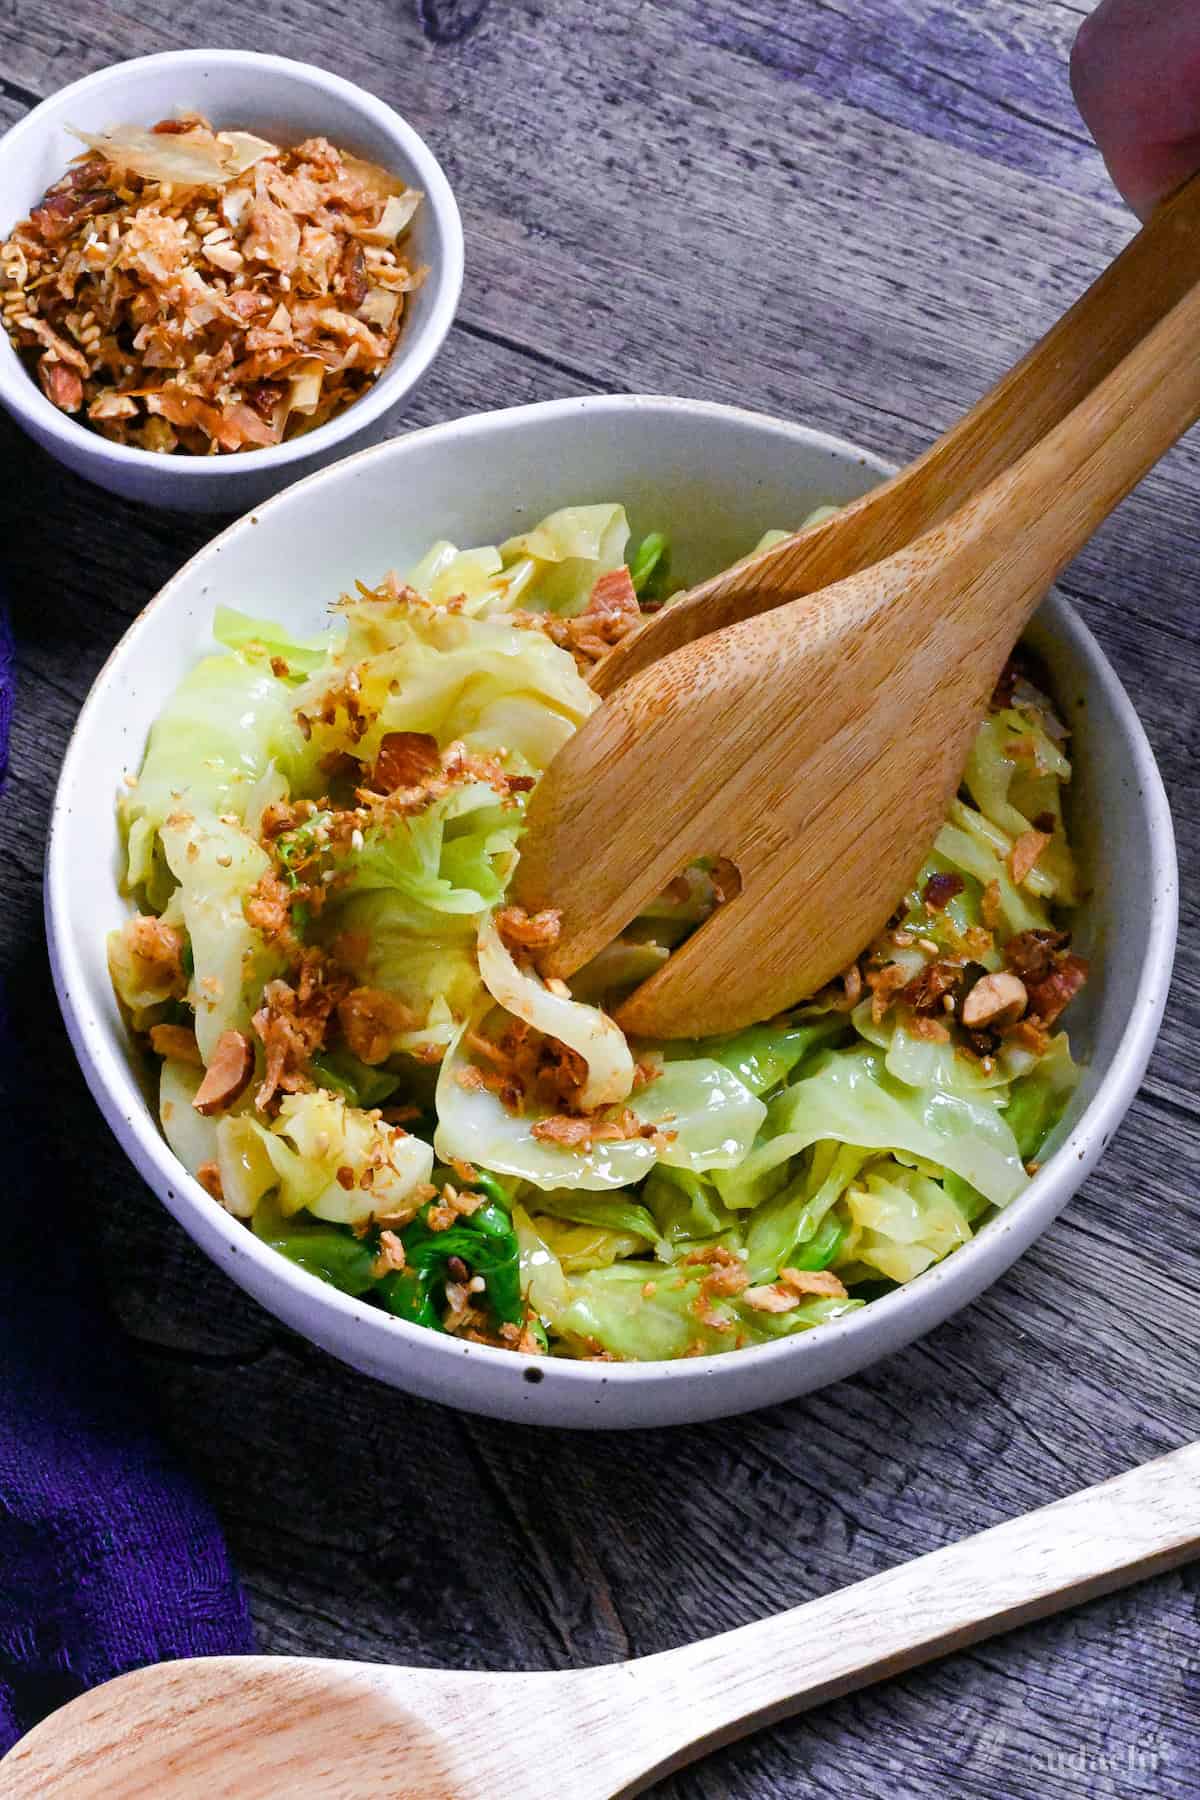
(855,214)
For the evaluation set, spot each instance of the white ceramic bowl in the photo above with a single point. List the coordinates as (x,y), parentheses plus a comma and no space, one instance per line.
(716,478)
(283,100)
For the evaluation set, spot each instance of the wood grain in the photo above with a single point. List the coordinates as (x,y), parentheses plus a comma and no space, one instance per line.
(254,1727)
(857,216)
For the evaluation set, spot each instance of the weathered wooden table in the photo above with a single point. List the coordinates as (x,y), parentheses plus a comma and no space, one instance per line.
(855,214)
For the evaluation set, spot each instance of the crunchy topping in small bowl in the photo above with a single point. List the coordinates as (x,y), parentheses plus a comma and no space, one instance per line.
(184,289)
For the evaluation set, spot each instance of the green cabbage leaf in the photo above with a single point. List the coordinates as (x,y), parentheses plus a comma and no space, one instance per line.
(707,1117)
(639,1312)
(216,864)
(853,1099)
(225,729)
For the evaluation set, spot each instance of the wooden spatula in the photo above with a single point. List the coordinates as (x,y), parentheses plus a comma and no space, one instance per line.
(264,1728)
(817,745)
(1152,273)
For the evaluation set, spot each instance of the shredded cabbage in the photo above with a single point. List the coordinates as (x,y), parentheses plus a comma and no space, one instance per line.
(585,1029)
(195,158)
(216,864)
(228,722)
(323,833)
(565,554)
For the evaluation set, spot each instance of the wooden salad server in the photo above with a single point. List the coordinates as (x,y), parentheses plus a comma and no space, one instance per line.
(1152,273)
(817,745)
(262,1728)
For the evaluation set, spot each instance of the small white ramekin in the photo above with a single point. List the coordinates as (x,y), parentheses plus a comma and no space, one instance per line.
(286,101)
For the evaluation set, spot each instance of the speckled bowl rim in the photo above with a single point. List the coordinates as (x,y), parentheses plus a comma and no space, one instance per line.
(734,1380)
(415,350)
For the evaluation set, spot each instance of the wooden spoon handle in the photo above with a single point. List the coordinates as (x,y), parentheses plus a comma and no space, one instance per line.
(257,1728)
(1138,289)
(956,598)
(1106,1537)
(697,755)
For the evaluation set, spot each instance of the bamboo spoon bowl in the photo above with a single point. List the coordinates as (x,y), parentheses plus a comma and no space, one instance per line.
(258,1728)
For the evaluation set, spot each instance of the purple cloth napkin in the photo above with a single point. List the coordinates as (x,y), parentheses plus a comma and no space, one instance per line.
(109,1558)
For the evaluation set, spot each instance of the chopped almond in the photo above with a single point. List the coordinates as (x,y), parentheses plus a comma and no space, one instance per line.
(406,759)
(995,1001)
(63,386)
(614,593)
(1024,854)
(813,1281)
(176,1043)
(771,1299)
(228,1074)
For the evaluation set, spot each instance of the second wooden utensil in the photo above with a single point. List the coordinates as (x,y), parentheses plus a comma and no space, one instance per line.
(260,1728)
(817,746)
